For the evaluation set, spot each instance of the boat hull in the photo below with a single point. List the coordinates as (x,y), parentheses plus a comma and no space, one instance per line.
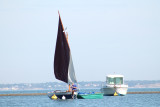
(90,96)
(110,90)
(62,95)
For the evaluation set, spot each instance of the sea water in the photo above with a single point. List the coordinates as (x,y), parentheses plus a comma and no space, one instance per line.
(130,100)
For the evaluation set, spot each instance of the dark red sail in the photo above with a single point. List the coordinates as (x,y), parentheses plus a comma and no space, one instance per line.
(62,55)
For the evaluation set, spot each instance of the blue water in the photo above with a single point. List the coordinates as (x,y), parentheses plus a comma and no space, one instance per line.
(130,100)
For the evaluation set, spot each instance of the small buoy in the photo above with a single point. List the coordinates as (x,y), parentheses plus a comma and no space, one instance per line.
(63,97)
(115,94)
(54,97)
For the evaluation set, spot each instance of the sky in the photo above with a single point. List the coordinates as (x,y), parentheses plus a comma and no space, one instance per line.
(105,37)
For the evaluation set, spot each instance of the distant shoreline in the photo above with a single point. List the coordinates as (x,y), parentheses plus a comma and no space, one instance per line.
(81,85)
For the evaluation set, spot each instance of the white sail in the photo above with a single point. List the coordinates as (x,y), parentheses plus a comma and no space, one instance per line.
(71,73)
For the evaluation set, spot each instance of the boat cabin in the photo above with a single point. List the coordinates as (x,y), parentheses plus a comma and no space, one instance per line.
(114,79)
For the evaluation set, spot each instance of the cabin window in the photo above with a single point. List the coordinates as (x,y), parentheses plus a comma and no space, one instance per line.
(115,80)
(118,80)
(110,80)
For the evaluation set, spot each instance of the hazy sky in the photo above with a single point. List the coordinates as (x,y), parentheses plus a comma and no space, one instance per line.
(105,36)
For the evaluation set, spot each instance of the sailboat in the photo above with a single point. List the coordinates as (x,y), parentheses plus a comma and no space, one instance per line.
(63,64)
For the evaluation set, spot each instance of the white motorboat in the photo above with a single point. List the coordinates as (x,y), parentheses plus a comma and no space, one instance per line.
(114,86)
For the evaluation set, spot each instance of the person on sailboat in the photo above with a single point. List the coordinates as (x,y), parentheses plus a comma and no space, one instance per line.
(69,88)
(74,88)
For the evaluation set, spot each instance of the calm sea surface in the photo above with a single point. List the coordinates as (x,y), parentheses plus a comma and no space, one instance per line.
(130,100)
